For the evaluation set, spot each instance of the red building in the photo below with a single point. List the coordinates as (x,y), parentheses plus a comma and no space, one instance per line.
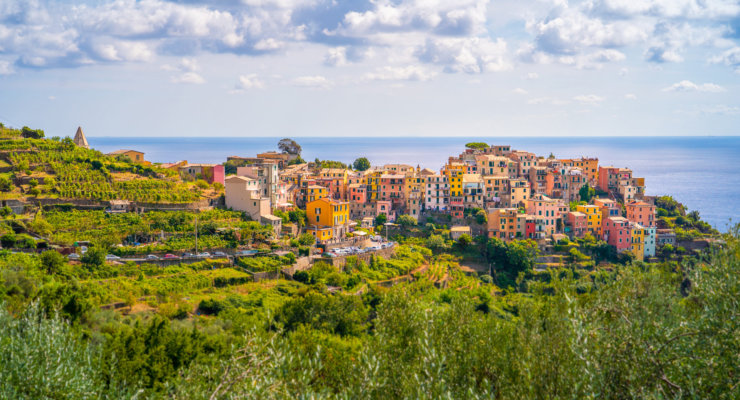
(617,233)
(531,227)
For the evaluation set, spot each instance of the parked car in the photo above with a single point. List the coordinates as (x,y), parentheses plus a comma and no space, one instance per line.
(74,256)
(170,256)
(204,254)
(152,257)
(187,255)
(112,257)
(219,254)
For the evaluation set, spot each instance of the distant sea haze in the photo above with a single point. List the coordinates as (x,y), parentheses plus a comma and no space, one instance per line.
(700,172)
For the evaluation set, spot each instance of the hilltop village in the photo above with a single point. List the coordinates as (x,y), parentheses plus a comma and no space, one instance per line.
(518,194)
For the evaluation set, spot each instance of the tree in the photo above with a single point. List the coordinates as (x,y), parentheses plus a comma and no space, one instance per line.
(481,217)
(8,240)
(29,133)
(406,221)
(361,164)
(289,146)
(476,145)
(307,239)
(94,257)
(381,219)
(435,242)
(6,184)
(587,193)
(52,261)
(464,241)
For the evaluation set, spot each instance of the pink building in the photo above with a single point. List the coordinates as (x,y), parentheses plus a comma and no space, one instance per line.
(577,223)
(357,193)
(609,177)
(392,188)
(548,210)
(617,233)
(642,213)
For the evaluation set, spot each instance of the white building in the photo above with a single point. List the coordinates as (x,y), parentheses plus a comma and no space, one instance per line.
(437,196)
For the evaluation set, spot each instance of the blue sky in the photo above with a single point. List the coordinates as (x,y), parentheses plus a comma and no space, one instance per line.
(371,68)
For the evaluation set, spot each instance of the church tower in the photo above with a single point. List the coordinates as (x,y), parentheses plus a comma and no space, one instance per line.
(80,138)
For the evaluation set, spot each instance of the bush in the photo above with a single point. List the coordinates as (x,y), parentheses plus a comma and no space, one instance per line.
(94,257)
(8,240)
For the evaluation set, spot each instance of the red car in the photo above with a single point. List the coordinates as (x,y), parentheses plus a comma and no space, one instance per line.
(170,256)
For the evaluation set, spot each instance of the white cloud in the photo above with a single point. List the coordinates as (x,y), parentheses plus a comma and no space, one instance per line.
(5,68)
(316,81)
(188,77)
(269,44)
(519,91)
(721,109)
(336,57)
(532,76)
(469,55)
(186,71)
(688,86)
(590,99)
(408,73)
(730,58)
(250,81)
(450,17)
(630,96)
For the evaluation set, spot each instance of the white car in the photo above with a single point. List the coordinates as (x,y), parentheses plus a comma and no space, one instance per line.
(152,257)
(112,257)
(204,254)
(74,256)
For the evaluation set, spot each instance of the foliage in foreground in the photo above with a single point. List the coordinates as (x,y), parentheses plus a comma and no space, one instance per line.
(643,331)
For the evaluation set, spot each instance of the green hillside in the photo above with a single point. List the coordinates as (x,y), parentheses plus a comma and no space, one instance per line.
(35,167)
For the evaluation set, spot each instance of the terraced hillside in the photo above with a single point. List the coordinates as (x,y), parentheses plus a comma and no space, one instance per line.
(32,167)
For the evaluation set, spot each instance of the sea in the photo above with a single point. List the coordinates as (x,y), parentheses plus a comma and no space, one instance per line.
(703,172)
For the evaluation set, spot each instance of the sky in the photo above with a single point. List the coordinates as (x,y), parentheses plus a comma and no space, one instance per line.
(371,68)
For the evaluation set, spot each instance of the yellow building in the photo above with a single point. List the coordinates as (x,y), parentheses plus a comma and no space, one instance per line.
(133,155)
(454,172)
(589,166)
(373,185)
(638,242)
(321,233)
(326,213)
(593,219)
(315,192)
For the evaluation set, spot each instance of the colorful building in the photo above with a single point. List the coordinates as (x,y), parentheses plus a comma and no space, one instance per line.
(518,193)
(617,233)
(577,224)
(454,172)
(473,191)
(133,155)
(507,224)
(437,195)
(328,213)
(650,241)
(641,213)
(593,219)
(548,211)
(589,166)
(638,241)
(208,172)
(609,177)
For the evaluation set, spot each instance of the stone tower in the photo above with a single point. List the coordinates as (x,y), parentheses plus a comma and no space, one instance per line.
(80,138)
